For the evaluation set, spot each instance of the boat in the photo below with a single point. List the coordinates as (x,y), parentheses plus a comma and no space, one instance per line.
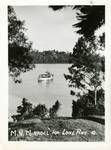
(45,76)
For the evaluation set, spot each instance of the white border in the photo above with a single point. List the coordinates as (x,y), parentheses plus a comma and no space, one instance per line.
(5,145)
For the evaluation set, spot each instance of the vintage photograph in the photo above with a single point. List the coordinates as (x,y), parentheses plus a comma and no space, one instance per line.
(56,73)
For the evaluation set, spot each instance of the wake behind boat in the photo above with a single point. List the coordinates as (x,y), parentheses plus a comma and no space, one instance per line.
(45,77)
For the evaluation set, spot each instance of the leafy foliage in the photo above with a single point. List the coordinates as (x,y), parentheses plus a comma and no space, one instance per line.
(85,105)
(54,109)
(52,56)
(25,111)
(87,66)
(87,71)
(57,7)
(90,18)
(40,110)
(26,107)
(19,47)
(74,109)
(87,75)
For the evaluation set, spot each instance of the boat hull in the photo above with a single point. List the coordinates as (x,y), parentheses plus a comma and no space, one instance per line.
(45,79)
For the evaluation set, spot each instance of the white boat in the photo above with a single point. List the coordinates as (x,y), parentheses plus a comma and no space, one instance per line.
(45,77)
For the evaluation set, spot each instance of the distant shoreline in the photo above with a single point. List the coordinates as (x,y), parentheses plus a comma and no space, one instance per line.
(51,56)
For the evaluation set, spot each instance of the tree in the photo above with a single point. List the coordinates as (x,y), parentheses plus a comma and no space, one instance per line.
(19,47)
(87,70)
(51,56)
(88,64)
(24,110)
(54,109)
(56,7)
(85,106)
(90,18)
(40,110)
(75,109)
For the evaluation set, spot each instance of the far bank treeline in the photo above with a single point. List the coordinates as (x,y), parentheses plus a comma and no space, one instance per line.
(51,56)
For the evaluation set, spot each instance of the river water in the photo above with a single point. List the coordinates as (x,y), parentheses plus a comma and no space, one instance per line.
(44,92)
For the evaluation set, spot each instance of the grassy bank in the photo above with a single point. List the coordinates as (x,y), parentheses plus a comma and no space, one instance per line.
(56,130)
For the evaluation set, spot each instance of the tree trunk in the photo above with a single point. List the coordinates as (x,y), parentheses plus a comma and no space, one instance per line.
(95,97)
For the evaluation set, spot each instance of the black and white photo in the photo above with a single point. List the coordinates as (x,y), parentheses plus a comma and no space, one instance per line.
(56,69)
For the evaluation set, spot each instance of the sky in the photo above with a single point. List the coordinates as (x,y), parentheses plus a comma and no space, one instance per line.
(49,29)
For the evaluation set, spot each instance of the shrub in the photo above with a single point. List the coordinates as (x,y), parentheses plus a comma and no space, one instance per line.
(24,111)
(40,111)
(54,109)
